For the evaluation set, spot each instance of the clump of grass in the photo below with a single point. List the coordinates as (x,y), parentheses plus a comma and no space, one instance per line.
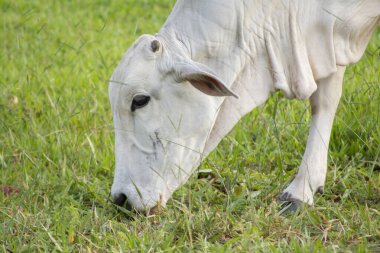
(56,149)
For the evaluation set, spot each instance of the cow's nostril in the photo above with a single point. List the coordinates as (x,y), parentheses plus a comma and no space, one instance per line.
(120,199)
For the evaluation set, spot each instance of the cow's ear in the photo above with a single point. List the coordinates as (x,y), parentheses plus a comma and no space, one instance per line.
(201,78)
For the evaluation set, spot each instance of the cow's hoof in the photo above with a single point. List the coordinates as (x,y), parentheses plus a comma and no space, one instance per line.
(285,196)
(321,190)
(289,204)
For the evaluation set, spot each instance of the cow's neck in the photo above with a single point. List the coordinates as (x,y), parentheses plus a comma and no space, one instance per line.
(219,44)
(285,45)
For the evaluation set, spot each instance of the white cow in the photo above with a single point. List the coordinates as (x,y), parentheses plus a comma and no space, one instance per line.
(175,95)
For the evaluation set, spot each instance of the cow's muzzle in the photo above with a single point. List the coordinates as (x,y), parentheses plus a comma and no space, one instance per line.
(122,201)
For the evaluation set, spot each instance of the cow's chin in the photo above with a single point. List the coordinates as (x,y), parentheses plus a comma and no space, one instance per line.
(146,204)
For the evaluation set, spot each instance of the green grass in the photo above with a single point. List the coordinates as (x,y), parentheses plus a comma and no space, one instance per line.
(56,147)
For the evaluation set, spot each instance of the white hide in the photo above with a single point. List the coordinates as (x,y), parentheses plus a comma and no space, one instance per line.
(253,47)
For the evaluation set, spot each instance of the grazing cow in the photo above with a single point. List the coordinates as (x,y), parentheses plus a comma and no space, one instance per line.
(174,95)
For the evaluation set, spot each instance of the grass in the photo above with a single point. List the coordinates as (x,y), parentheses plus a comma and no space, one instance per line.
(56,148)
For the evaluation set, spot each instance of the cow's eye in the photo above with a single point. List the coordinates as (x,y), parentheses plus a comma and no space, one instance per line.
(139,101)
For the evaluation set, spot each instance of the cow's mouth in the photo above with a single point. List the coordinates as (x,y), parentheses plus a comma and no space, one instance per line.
(121,200)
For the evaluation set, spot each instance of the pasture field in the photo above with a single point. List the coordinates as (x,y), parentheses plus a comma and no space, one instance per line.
(57,154)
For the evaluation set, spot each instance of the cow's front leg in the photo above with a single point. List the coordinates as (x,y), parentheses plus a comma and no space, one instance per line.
(312,173)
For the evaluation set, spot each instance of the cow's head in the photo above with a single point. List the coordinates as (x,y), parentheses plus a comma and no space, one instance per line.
(164,106)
